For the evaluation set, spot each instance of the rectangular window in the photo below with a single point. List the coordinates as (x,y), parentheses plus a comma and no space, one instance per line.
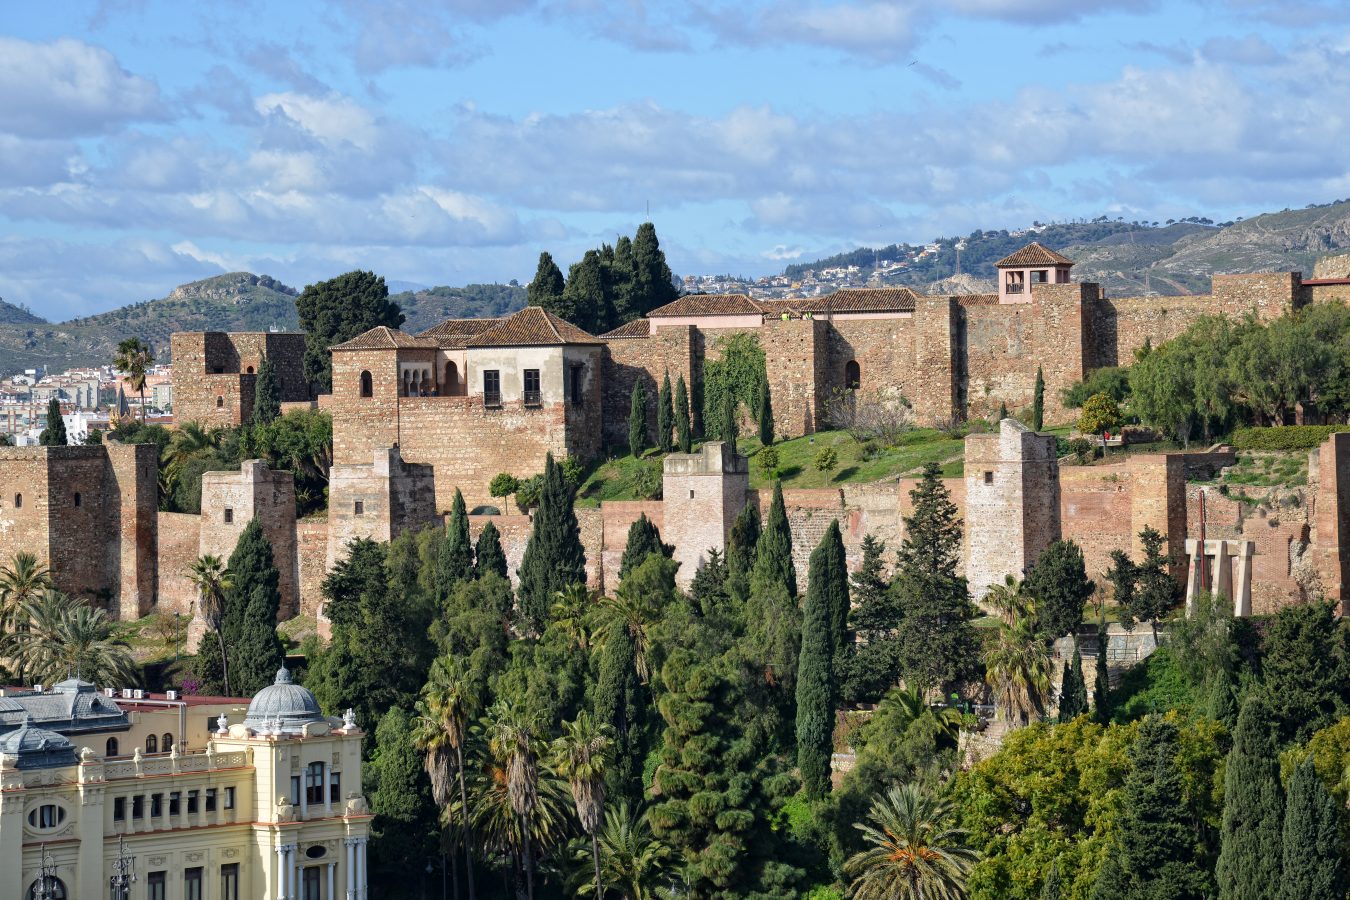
(574,377)
(229,798)
(156,887)
(311,889)
(359,508)
(192,883)
(156,805)
(492,388)
(210,799)
(988,477)
(334,787)
(295,790)
(314,783)
(532,395)
(229,515)
(119,809)
(138,807)
(229,881)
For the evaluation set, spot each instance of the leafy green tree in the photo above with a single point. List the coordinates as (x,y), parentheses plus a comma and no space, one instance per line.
(1073,701)
(1145,591)
(654,284)
(1253,807)
(54,435)
(637,420)
(266,394)
(404,828)
(488,554)
(454,558)
(643,540)
(872,663)
(826,459)
(683,435)
(708,590)
(134,360)
(300,442)
(584,301)
(936,645)
(337,310)
(1100,415)
(1153,853)
(503,485)
(1038,402)
(816,691)
(554,557)
(1300,671)
(251,608)
(620,283)
(1058,580)
(547,287)
(913,851)
(1162,390)
(1109,380)
(665,416)
(764,418)
(1313,862)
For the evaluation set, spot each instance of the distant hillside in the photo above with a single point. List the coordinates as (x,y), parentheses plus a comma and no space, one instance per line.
(238,301)
(1128,258)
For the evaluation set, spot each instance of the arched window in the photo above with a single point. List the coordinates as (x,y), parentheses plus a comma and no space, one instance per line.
(367,385)
(852,375)
(166,743)
(56,889)
(405,383)
(250,371)
(111,748)
(151,744)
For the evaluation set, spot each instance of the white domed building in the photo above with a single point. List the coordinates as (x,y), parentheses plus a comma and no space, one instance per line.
(269,807)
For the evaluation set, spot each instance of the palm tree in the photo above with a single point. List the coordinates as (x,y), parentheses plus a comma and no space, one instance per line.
(580,755)
(1017,668)
(443,713)
(134,359)
(212,580)
(1010,602)
(22,580)
(632,861)
(637,614)
(571,612)
(909,704)
(512,744)
(65,637)
(914,854)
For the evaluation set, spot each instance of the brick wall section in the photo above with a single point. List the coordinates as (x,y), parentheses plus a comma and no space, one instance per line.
(215,372)
(134,483)
(1095,503)
(1158,500)
(628,359)
(1012,503)
(393,496)
(938,360)
(179,537)
(311,549)
(702,495)
(514,531)
(1276,535)
(1332,518)
(255,491)
(883,349)
(796,360)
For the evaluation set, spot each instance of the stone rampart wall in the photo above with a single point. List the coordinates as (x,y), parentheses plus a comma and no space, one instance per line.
(629,359)
(179,535)
(1006,343)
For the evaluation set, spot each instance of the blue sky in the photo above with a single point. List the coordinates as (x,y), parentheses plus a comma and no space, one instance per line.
(144,144)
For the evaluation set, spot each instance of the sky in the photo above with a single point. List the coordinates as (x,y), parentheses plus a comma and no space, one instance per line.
(144,144)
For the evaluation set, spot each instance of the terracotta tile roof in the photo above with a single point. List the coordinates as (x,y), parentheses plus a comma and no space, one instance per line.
(385,338)
(893,299)
(708,305)
(976,299)
(531,327)
(638,328)
(792,306)
(1033,254)
(453,333)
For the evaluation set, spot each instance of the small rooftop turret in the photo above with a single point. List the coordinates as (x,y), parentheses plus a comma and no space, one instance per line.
(1032,265)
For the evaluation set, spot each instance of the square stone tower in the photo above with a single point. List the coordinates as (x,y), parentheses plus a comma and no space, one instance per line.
(703,493)
(230,500)
(1012,503)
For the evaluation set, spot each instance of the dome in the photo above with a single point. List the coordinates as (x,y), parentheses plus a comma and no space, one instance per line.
(293,704)
(37,748)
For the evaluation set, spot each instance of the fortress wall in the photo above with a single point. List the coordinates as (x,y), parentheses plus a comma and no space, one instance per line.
(1280,535)
(797,361)
(1095,506)
(649,359)
(364,425)
(179,537)
(311,547)
(230,500)
(883,349)
(615,519)
(939,357)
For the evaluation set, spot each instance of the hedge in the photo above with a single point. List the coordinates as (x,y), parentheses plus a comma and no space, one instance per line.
(1283,437)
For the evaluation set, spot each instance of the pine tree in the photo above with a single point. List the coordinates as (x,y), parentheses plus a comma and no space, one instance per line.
(488,554)
(683,435)
(1073,700)
(547,287)
(337,310)
(643,540)
(1052,890)
(54,435)
(637,420)
(1314,867)
(1152,590)
(554,557)
(1038,402)
(872,665)
(937,642)
(765,418)
(266,394)
(454,557)
(1058,580)
(1101,686)
(665,416)
(815,672)
(653,282)
(1153,851)
(1253,805)
(251,607)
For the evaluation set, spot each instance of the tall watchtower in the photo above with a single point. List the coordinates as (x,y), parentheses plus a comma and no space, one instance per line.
(703,493)
(1030,266)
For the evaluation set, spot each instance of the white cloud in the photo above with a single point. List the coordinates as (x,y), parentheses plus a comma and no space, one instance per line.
(68,88)
(333,119)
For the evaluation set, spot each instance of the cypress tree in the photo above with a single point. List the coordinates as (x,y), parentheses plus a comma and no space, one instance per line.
(621,286)
(683,435)
(1253,804)
(488,553)
(547,287)
(1222,699)
(250,622)
(583,299)
(1101,686)
(554,557)
(872,665)
(665,416)
(266,394)
(836,589)
(742,543)
(454,557)
(1038,402)
(620,703)
(643,540)
(54,435)
(637,420)
(728,425)
(1051,890)
(400,796)
(1314,866)
(708,590)
(1002,411)
(815,673)
(1153,853)
(773,618)
(1059,582)
(765,418)
(1073,701)
(773,550)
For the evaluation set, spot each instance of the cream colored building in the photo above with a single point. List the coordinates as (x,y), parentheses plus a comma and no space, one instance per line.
(269,807)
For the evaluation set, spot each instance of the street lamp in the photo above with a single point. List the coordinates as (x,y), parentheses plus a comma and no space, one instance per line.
(45,886)
(124,875)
